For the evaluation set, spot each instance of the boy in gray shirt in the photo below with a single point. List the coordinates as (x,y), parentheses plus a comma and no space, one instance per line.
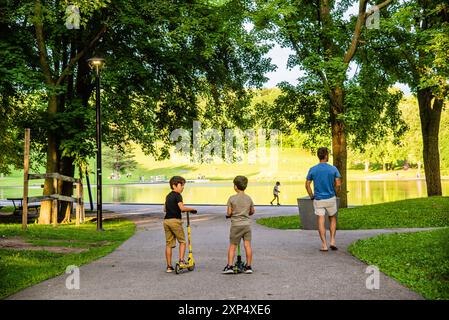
(240,208)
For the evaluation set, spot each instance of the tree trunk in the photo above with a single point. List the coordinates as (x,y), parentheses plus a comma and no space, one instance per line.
(68,169)
(52,166)
(430,126)
(339,144)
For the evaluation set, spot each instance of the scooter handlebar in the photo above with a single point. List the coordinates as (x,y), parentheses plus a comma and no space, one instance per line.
(192,211)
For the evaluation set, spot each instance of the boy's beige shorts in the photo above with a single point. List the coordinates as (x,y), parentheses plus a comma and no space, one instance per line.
(239,232)
(174,230)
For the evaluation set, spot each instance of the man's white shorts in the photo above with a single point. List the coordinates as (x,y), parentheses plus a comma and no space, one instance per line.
(327,205)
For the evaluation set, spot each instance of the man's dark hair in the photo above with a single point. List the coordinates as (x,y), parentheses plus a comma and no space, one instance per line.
(322,153)
(174,181)
(241,182)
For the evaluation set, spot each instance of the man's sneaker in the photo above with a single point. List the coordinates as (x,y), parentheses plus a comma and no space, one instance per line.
(169,269)
(228,269)
(182,263)
(248,269)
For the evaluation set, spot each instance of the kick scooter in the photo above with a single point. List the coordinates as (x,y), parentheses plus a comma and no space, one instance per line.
(190,265)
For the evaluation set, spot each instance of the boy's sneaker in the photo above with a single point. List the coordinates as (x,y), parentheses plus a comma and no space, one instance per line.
(248,269)
(169,269)
(228,269)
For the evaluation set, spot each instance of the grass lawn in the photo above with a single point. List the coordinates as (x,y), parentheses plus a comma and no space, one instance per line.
(20,269)
(418,260)
(411,213)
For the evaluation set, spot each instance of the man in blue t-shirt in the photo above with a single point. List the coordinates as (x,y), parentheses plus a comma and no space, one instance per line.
(326,182)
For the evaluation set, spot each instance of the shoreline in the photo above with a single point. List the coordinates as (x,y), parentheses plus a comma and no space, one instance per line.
(377,179)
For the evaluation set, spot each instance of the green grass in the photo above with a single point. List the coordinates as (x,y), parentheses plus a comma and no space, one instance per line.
(411,213)
(418,260)
(282,222)
(21,269)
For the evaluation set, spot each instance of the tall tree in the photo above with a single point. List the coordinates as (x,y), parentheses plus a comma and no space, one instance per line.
(417,44)
(327,102)
(161,56)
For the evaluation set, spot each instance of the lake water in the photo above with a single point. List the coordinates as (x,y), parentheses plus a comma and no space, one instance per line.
(360,192)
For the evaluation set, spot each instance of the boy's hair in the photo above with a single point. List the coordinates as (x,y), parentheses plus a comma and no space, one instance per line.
(322,153)
(241,182)
(174,181)
(278,183)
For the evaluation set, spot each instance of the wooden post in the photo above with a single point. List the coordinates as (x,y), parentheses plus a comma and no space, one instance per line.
(78,202)
(54,210)
(83,213)
(26,165)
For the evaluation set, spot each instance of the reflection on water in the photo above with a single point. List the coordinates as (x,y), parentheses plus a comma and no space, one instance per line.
(360,192)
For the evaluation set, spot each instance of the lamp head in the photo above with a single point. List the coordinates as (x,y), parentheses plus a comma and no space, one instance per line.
(96,63)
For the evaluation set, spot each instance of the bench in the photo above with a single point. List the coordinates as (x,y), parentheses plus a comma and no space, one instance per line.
(18,207)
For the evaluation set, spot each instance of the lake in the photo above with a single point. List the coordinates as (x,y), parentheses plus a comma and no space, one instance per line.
(360,192)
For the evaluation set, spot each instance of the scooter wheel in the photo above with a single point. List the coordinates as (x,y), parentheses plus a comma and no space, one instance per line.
(191,268)
(177,269)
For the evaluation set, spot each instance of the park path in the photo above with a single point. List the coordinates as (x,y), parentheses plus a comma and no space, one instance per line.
(287,265)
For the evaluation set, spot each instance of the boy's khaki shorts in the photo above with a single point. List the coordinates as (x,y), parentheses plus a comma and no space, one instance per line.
(239,232)
(174,230)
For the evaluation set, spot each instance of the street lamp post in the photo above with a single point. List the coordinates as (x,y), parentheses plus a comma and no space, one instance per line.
(96,64)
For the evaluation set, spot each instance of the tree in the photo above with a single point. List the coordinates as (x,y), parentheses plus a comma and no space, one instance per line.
(327,102)
(417,35)
(14,103)
(120,160)
(161,56)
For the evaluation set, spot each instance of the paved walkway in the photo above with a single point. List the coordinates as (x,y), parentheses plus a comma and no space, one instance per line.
(287,265)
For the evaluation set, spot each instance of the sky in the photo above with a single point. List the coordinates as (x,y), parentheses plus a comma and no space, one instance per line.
(279,57)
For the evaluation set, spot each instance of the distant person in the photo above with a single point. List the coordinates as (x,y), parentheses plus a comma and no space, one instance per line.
(326,183)
(276,193)
(173,227)
(240,208)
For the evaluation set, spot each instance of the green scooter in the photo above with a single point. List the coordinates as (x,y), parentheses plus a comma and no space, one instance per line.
(239,266)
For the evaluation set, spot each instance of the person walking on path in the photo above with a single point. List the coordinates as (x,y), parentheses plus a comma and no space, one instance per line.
(326,184)
(173,228)
(276,193)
